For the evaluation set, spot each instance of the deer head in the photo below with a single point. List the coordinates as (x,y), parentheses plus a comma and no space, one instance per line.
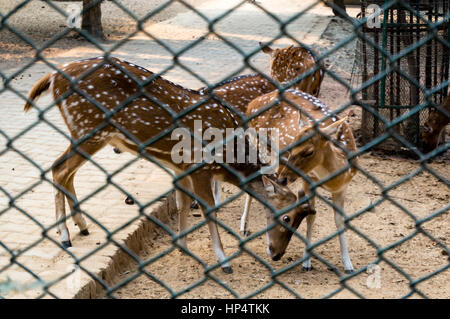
(280,235)
(310,153)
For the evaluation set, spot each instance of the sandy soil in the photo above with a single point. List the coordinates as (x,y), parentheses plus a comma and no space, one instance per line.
(386,225)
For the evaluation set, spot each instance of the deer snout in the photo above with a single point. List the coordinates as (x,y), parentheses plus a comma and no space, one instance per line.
(273,255)
(283,181)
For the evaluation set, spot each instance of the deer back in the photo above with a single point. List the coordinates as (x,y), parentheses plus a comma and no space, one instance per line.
(289,63)
(294,115)
(290,114)
(239,91)
(104,100)
(107,93)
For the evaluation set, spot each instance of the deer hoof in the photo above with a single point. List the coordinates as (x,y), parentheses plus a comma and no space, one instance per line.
(194,205)
(129,201)
(84,232)
(66,244)
(245,233)
(227,270)
(307,268)
(332,269)
(349,271)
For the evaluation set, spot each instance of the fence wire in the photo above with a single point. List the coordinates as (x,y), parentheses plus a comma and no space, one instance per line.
(436,32)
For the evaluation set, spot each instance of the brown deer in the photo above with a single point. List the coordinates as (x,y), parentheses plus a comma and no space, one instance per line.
(287,64)
(435,124)
(110,101)
(294,115)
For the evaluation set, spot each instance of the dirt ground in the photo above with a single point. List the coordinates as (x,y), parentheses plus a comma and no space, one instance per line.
(387,225)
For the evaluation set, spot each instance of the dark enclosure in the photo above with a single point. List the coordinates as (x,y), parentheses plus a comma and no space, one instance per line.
(408,78)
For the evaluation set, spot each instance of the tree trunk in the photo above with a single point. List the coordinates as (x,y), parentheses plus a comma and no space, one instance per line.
(92,19)
(337,3)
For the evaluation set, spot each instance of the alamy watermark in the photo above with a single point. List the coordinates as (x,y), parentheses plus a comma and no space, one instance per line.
(228,145)
(73,281)
(74,18)
(373,20)
(374,279)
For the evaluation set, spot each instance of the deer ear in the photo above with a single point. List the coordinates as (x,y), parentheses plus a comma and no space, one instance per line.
(272,187)
(332,128)
(267,182)
(265,48)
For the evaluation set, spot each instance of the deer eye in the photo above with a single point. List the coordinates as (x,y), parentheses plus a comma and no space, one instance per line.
(286,219)
(307,152)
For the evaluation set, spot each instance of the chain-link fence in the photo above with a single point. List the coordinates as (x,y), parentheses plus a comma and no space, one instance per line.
(395,215)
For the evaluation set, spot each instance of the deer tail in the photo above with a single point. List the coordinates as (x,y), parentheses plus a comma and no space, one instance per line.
(40,87)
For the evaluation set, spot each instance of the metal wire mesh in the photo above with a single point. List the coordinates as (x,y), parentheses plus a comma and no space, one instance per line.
(393,95)
(386,79)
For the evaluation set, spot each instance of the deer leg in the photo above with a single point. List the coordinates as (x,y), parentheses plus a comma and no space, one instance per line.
(78,219)
(183,205)
(208,197)
(217,244)
(306,265)
(64,170)
(244,218)
(62,229)
(216,185)
(338,200)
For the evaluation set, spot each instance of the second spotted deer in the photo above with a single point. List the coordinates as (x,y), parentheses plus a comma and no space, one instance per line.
(289,63)
(286,65)
(108,101)
(319,156)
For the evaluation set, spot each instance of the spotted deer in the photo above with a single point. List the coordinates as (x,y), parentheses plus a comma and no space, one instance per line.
(235,94)
(294,115)
(239,91)
(435,124)
(102,103)
(287,64)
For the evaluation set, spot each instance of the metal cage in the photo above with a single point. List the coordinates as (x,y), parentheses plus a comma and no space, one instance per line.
(401,84)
